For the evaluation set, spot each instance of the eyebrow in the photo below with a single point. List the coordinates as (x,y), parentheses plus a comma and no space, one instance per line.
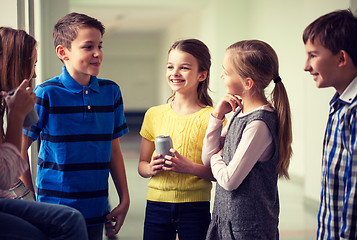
(313,51)
(189,64)
(86,42)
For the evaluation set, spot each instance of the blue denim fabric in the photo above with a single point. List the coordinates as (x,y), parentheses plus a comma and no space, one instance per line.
(21,219)
(188,220)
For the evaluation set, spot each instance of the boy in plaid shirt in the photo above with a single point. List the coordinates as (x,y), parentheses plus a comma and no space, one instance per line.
(331,47)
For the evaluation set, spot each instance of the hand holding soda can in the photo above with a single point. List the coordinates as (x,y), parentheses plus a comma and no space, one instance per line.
(163,144)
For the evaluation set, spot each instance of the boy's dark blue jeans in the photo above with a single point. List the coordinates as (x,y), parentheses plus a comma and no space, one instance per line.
(163,220)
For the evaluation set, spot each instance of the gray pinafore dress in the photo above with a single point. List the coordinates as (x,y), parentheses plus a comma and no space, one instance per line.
(251,211)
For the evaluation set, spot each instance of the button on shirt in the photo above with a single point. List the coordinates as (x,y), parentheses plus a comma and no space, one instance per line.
(77,125)
(337,218)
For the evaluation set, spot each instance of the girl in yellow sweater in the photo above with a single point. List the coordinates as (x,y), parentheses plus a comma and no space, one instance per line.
(179,194)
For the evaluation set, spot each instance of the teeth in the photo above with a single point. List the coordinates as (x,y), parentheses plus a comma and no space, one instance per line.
(176,81)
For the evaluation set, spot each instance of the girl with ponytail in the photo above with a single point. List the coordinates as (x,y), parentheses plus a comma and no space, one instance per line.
(253,150)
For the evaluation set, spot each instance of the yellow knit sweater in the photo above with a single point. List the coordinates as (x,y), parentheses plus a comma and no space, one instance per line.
(187,133)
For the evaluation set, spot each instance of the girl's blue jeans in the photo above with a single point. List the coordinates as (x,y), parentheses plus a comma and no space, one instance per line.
(189,220)
(22,219)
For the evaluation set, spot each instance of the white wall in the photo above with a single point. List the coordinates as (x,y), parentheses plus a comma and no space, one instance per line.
(8,16)
(131,60)
(48,13)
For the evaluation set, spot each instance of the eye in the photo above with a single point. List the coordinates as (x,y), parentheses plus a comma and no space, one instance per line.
(88,47)
(185,68)
(100,47)
(312,55)
(170,67)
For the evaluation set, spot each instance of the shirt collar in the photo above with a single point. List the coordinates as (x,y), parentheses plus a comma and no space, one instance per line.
(73,86)
(348,95)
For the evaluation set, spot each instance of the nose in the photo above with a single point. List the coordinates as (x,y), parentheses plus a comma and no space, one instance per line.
(175,71)
(97,53)
(307,66)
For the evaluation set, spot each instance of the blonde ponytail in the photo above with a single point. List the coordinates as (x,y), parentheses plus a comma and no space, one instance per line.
(281,104)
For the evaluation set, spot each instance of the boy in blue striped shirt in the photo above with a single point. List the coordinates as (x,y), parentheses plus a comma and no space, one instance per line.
(331,47)
(81,120)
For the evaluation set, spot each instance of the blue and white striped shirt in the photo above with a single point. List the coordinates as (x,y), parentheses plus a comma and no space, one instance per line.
(77,125)
(337,218)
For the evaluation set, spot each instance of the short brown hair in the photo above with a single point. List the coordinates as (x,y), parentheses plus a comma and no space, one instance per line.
(66,29)
(335,31)
(18,59)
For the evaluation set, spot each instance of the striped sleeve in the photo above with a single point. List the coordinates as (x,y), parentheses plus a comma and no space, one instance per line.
(11,166)
(349,214)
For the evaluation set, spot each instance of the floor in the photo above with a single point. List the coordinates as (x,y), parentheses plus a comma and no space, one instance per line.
(297,219)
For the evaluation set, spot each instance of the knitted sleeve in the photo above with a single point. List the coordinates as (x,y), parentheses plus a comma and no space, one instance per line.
(11,165)
(147,126)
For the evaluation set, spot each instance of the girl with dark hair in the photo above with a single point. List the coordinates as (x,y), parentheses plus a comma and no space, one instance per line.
(180,185)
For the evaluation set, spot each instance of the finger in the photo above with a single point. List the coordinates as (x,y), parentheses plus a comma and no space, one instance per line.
(238,101)
(233,104)
(168,162)
(175,152)
(29,89)
(156,156)
(158,161)
(25,83)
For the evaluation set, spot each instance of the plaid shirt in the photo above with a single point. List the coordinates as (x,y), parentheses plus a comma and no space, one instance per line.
(337,218)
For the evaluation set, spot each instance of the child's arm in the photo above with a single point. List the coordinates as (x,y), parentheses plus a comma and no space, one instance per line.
(26,177)
(149,165)
(213,140)
(182,164)
(350,195)
(117,171)
(18,104)
(255,145)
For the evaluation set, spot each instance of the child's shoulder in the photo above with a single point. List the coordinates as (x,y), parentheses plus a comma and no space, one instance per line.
(48,86)
(208,109)
(51,82)
(158,109)
(107,82)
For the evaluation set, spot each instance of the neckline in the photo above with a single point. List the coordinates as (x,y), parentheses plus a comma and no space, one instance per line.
(186,116)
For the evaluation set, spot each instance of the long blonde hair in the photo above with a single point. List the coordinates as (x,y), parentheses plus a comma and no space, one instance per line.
(258,60)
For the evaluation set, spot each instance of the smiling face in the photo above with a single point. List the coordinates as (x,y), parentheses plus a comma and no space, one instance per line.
(182,72)
(323,65)
(85,56)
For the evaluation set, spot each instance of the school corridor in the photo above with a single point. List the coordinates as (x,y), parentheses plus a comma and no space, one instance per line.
(297,219)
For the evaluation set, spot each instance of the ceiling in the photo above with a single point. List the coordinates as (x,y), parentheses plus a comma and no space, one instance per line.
(132,16)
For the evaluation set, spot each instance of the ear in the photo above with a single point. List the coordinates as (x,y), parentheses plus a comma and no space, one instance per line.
(249,83)
(61,52)
(344,58)
(202,76)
